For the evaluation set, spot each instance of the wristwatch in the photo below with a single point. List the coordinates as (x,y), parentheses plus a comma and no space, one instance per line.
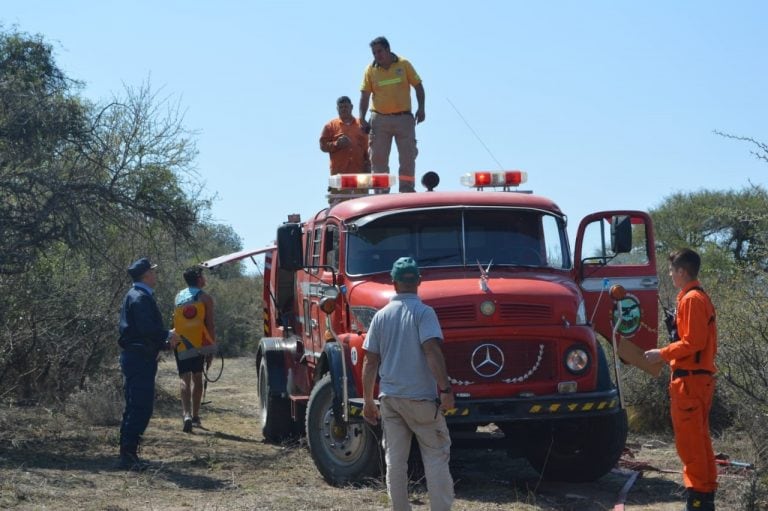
(446,390)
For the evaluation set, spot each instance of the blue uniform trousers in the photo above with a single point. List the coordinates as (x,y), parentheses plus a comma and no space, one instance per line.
(139,370)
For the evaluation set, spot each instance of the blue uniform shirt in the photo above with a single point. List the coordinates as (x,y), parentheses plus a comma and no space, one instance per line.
(141,324)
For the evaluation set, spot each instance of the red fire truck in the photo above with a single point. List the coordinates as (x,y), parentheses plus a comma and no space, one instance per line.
(521,319)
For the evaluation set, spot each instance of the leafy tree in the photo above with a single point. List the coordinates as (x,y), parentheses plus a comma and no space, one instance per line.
(84,190)
(69,168)
(730,228)
(239,312)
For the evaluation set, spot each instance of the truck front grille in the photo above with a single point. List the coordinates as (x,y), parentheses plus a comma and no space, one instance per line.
(506,313)
(521,361)
(456,313)
(525,312)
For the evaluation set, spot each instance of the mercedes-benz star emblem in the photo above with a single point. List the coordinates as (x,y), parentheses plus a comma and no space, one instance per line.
(487,360)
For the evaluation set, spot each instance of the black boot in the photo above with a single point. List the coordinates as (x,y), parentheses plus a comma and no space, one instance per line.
(129,459)
(698,501)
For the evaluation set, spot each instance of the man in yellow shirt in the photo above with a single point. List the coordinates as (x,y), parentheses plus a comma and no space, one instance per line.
(389,79)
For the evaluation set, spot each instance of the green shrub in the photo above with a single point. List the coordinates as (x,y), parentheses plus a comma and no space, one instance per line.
(99,403)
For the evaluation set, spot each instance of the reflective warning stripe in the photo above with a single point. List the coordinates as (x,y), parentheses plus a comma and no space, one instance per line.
(542,409)
(574,407)
(463,412)
(391,81)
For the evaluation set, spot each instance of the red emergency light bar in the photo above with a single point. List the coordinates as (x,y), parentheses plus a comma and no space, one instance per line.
(361,181)
(505,178)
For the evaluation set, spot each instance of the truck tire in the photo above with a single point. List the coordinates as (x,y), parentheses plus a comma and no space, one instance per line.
(576,450)
(276,422)
(344,454)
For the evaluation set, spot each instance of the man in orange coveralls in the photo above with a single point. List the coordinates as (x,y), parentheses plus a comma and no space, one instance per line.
(691,357)
(346,142)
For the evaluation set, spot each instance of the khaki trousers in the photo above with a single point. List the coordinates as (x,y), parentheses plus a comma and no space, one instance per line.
(403,129)
(401,419)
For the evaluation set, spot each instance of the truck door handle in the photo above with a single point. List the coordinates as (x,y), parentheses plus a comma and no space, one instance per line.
(649,282)
(313,323)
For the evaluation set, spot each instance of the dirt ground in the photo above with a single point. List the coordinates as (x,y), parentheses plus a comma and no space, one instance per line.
(49,461)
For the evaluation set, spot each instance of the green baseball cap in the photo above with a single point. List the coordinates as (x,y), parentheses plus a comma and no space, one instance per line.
(405,270)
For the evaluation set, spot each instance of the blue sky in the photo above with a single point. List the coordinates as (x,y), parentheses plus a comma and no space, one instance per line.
(605,104)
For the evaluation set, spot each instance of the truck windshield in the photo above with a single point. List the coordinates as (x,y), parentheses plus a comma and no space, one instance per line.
(458,237)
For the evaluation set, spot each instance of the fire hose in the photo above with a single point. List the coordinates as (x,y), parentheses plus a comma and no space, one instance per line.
(633,469)
(207,376)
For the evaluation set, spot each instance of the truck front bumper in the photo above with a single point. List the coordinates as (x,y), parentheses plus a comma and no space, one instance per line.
(553,406)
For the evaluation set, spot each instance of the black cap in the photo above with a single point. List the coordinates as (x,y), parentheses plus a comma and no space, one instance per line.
(140,267)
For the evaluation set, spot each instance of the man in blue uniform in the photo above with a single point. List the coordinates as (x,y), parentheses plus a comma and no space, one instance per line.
(142,336)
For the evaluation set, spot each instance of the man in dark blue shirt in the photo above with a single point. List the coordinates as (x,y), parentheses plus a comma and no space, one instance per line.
(142,336)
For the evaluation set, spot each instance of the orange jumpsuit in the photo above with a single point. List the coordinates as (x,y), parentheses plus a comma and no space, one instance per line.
(692,361)
(352,159)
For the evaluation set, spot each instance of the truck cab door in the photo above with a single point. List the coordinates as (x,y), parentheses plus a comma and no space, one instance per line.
(617,247)
(312,292)
(322,262)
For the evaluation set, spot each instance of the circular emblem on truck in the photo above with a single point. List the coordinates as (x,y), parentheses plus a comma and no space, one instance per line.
(630,316)
(487,308)
(487,360)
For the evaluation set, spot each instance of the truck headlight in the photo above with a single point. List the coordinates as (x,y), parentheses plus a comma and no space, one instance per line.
(581,313)
(577,359)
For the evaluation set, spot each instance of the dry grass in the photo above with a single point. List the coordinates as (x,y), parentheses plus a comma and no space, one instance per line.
(48,460)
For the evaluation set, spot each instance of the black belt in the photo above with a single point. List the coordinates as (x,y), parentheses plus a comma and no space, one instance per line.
(395,113)
(680,373)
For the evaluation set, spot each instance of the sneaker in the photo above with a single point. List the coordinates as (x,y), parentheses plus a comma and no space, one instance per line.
(187,424)
(196,422)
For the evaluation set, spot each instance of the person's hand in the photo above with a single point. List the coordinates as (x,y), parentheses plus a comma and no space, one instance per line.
(342,142)
(208,361)
(447,401)
(371,412)
(653,356)
(419,115)
(175,339)
(364,125)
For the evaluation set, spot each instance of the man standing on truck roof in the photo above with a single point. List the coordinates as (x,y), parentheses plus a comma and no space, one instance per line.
(403,347)
(346,142)
(389,79)
(691,357)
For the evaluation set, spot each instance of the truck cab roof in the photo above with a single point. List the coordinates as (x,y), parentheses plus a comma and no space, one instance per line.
(372,204)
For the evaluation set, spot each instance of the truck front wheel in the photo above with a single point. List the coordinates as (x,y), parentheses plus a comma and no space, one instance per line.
(276,422)
(577,450)
(343,453)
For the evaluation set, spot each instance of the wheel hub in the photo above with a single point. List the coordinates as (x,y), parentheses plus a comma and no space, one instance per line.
(343,442)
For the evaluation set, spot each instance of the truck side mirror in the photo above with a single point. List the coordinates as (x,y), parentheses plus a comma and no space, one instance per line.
(621,234)
(289,247)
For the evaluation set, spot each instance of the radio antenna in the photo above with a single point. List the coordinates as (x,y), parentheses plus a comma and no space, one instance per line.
(501,167)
